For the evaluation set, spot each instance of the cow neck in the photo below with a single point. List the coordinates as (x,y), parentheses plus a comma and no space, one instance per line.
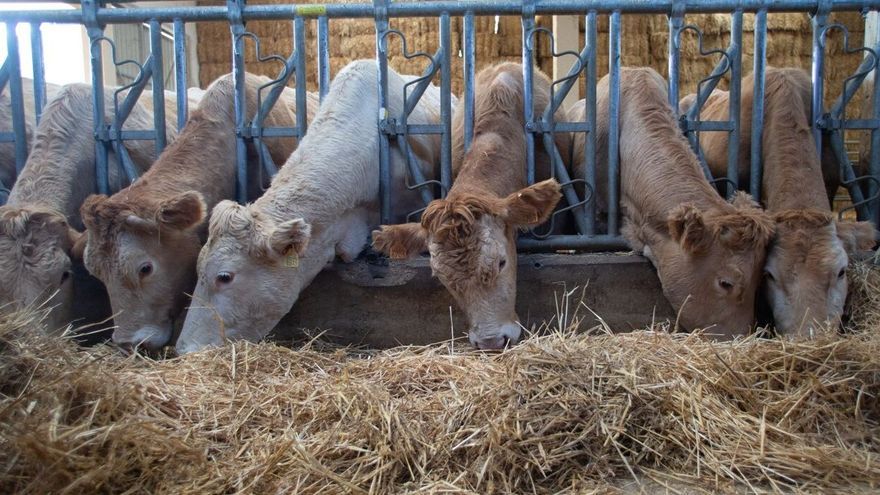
(659,171)
(792,168)
(202,159)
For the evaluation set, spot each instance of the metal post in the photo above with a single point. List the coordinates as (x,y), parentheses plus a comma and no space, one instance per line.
(236,27)
(158,85)
(39,70)
(96,33)
(381,20)
(299,46)
(528,25)
(614,122)
(323,56)
(735,53)
(675,21)
(446,105)
(16,96)
(589,164)
(180,72)
(874,166)
(760,62)
(820,20)
(469,67)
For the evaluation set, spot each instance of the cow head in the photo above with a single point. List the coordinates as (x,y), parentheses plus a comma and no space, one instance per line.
(145,255)
(710,262)
(35,247)
(250,273)
(472,242)
(805,273)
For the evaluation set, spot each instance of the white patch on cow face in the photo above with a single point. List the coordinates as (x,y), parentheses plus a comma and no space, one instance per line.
(481,276)
(806,285)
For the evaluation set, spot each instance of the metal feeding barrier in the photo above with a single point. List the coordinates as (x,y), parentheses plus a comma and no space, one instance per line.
(94,15)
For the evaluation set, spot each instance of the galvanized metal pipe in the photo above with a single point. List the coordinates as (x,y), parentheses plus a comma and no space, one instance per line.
(38,70)
(820,20)
(323,57)
(675,22)
(381,20)
(589,165)
(180,73)
(299,46)
(874,166)
(16,97)
(236,28)
(760,63)
(446,104)
(614,124)
(573,243)
(468,50)
(528,25)
(158,85)
(96,34)
(734,97)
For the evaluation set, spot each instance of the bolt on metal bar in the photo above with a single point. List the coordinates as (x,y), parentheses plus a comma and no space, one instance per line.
(468,49)
(180,73)
(446,105)
(735,94)
(614,123)
(758,72)
(39,70)
(323,56)
(589,165)
(16,97)
(158,85)
(528,25)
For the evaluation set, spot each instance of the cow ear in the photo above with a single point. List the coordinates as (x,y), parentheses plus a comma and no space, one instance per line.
(182,212)
(688,228)
(89,209)
(401,241)
(290,236)
(533,205)
(856,236)
(79,245)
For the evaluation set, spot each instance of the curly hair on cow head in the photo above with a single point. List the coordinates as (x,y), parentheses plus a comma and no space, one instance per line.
(804,218)
(451,221)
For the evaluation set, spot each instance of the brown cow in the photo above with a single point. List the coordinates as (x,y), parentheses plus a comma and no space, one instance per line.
(37,225)
(143,241)
(708,253)
(805,273)
(471,234)
(322,204)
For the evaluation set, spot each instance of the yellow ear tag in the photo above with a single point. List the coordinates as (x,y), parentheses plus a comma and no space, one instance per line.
(292,259)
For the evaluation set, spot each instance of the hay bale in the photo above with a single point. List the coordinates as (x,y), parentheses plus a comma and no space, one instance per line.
(562,412)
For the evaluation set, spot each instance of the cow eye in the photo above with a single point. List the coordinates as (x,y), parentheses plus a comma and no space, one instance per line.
(65,276)
(769,276)
(502,264)
(145,269)
(224,278)
(841,273)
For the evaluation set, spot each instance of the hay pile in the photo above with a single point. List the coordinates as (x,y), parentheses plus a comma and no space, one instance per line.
(559,413)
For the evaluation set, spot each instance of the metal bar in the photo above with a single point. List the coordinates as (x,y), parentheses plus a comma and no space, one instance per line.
(675,21)
(760,62)
(16,97)
(528,25)
(562,176)
(381,21)
(429,8)
(711,82)
(236,28)
(299,47)
(709,125)
(851,86)
(158,85)
(613,123)
(180,73)
(874,166)
(820,20)
(323,56)
(848,176)
(96,34)
(446,105)
(125,161)
(589,165)
(415,169)
(39,70)
(134,93)
(735,95)
(469,50)
(290,68)
(4,74)
(412,100)
(573,242)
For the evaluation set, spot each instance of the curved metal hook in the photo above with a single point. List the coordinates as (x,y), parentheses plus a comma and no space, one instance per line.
(137,80)
(703,53)
(581,63)
(267,58)
(864,201)
(588,196)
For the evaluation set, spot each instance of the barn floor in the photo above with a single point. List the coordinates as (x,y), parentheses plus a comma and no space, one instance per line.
(565,412)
